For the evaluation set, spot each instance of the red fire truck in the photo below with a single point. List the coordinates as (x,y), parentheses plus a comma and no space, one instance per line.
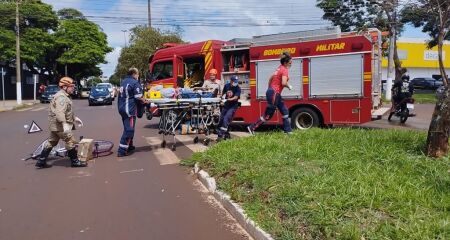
(336,77)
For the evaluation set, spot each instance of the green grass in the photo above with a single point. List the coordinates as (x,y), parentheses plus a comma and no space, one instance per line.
(335,183)
(21,106)
(425,98)
(420,98)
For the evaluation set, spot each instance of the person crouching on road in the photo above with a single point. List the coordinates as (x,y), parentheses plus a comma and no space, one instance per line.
(130,96)
(231,95)
(278,81)
(61,120)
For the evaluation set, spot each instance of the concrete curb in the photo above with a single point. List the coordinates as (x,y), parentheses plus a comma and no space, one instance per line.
(233,208)
(23,105)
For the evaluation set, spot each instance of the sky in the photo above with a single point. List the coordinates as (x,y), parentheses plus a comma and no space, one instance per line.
(201,20)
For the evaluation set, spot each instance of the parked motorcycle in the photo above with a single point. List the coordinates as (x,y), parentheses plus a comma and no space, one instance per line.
(402,109)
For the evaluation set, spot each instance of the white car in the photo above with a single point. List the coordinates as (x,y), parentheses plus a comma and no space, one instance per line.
(110,89)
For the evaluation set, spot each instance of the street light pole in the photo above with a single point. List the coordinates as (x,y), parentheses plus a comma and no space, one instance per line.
(3,86)
(125,37)
(149,15)
(18,65)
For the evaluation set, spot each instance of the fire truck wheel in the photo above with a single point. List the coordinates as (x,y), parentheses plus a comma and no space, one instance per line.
(304,118)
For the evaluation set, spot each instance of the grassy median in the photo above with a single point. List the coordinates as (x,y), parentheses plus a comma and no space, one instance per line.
(425,98)
(336,183)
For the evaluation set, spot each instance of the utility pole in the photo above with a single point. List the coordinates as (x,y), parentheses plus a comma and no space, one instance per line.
(18,64)
(149,15)
(3,86)
(392,42)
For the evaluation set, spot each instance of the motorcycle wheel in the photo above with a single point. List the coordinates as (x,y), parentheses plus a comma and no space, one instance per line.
(404,115)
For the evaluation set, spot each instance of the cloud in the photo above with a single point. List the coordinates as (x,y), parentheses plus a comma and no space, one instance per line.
(196,18)
(112,59)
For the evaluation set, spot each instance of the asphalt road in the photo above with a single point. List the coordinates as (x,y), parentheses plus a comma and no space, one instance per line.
(143,196)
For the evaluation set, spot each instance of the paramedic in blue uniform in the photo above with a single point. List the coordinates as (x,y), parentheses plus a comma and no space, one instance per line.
(230,95)
(130,96)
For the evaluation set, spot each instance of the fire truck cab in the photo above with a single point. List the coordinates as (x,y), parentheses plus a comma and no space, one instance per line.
(336,77)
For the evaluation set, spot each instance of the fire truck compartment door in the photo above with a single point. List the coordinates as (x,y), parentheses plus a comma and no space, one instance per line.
(178,70)
(336,76)
(345,111)
(265,69)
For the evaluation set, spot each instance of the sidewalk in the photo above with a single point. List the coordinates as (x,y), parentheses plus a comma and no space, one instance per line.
(421,121)
(12,104)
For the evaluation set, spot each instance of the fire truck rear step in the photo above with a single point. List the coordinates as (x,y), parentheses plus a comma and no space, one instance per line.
(377,114)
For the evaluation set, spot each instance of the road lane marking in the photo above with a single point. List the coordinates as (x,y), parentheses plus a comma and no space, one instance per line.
(164,156)
(126,159)
(81,176)
(135,170)
(195,147)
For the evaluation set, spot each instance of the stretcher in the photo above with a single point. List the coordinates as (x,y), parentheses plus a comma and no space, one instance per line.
(202,113)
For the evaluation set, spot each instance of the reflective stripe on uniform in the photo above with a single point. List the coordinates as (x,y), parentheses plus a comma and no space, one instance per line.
(223,128)
(285,116)
(123,146)
(131,122)
(127,109)
(262,119)
(138,96)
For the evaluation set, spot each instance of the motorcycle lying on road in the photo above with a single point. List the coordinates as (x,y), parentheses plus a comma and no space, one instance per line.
(402,109)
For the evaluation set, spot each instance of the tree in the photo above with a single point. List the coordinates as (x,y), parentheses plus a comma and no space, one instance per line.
(82,46)
(114,80)
(434,18)
(144,42)
(36,21)
(93,81)
(70,14)
(355,15)
(48,43)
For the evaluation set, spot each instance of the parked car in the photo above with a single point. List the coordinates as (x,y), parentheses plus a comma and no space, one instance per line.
(100,95)
(84,93)
(110,89)
(48,93)
(426,83)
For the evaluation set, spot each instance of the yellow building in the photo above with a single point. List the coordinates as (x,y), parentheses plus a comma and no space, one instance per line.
(418,59)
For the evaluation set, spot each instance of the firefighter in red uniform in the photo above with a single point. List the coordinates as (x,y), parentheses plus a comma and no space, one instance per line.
(277,82)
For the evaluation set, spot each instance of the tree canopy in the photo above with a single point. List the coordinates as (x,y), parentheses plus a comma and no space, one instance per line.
(355,15)
(51,41)
(144,42)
